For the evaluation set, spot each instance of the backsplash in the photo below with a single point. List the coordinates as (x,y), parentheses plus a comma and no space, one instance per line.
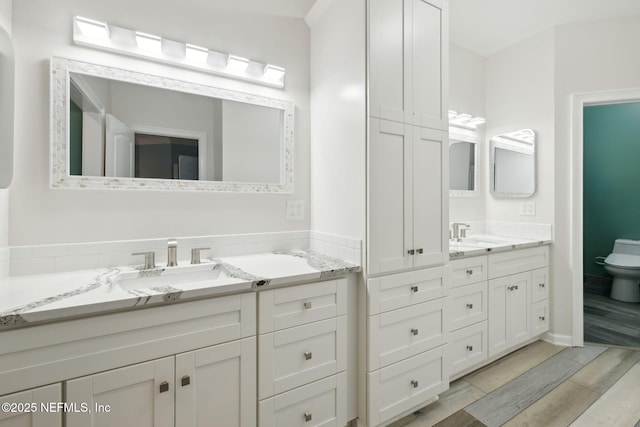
(42,259)
(533,231)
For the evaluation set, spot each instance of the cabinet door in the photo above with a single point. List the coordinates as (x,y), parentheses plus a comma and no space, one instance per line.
(508,312)
(519,308)
(217,385)
(389,76)
(390,182)
(428,53)
(139,395)
(430,198)
(33,416)
(498,301)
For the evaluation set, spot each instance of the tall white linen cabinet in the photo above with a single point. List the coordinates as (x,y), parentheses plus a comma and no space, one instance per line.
(379,172)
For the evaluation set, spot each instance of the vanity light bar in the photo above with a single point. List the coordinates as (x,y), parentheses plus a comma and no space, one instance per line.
(465,120)
(100,35)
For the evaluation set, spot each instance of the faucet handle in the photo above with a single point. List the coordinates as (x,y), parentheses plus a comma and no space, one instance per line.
(195,255)
(149,259)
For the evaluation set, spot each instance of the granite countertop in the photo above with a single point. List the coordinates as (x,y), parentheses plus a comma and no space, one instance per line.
(28,300)
(482,244)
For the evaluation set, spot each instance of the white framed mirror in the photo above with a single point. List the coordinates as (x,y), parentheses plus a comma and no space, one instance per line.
(513,164)
(463,162)
(6,108)
(121,129)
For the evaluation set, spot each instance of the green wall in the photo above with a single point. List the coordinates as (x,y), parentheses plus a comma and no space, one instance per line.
(611,179)
(75,139)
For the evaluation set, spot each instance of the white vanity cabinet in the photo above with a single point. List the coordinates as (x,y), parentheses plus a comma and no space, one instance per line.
(406,190)
(302,345)
(407,323)
(25,409)
(406,59)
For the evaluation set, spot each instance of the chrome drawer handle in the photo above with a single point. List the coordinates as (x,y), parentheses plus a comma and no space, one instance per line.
(469,272)
(541,318)
(308,355)
(470,347)
(307,305)
(541,285)
(414,289)
(516,287)
(420,250)
(164,386)
(307,416)
(469,306)
(411,252)
(414,331)
(414,383)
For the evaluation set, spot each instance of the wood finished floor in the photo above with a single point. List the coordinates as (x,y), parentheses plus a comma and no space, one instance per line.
(611,322)
(542,385)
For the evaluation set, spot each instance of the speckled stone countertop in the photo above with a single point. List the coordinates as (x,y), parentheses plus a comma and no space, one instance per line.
(483,244)
(28,300)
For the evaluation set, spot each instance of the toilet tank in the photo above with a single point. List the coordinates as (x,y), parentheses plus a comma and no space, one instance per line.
(624,246)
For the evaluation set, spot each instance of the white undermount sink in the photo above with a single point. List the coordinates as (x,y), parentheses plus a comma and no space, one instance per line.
(177,276)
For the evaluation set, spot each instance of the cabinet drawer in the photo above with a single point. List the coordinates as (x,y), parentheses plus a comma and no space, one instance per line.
(296,305)
(539,284)
(323,403)
(297,356)
(407,384)
(405,289)
(517,261)
(540,317)
(403,333)
(468,305)
(468,347)
(468,270)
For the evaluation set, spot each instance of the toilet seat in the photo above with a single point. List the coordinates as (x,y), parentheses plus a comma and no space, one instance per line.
(631,262)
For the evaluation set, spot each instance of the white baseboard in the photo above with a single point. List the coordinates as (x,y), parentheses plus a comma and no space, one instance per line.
(556,339)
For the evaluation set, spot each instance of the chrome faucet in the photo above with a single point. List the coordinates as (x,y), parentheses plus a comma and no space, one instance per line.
(458,232)
(172,253)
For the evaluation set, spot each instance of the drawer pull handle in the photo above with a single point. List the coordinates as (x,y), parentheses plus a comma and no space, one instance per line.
(411,252)
(420,250)
(307,305)
(414,331)
(469,306)
(469,272)
(307,416)
(186,380)
(470,347)
(516,287)
(414,383)
(414,289)
(164,386)
(308,355)
(541,285)
(541,318)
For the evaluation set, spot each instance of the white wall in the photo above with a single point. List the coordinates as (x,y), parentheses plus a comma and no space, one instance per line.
(338,86)
(42,28)
(519,94)
(589,57)
(467,95)
(5,23)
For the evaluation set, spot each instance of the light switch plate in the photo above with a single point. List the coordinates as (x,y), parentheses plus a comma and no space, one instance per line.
(295,209)
(527,208)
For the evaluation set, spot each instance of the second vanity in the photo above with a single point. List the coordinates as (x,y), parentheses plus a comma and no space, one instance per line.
(499,298)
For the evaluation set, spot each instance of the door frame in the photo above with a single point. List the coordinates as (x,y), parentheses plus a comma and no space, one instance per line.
(578,102)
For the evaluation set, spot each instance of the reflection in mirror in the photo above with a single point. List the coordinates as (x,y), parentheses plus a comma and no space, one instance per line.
(512,158)
(132,130)
(463,160)
(6,108)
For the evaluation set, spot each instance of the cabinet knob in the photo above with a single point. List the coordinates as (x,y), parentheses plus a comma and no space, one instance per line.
(164,386)
(414,289)
(420,251)
(541,318)
(307,416)
(469,272)
(469,305)
(414,331)
(308,355)
(307,305)
(411,252)
(414,383)
(541,285)
(470,347)
(186,380)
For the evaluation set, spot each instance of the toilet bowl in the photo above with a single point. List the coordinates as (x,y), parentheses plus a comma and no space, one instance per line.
(623,263)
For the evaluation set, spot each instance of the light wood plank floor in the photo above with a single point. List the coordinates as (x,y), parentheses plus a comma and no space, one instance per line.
(542,385)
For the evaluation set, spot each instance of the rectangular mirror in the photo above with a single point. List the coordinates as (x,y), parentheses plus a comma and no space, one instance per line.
(512,158)
(463,161)
(116,128)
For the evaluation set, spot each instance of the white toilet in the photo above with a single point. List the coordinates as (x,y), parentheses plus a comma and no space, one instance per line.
(623,263)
